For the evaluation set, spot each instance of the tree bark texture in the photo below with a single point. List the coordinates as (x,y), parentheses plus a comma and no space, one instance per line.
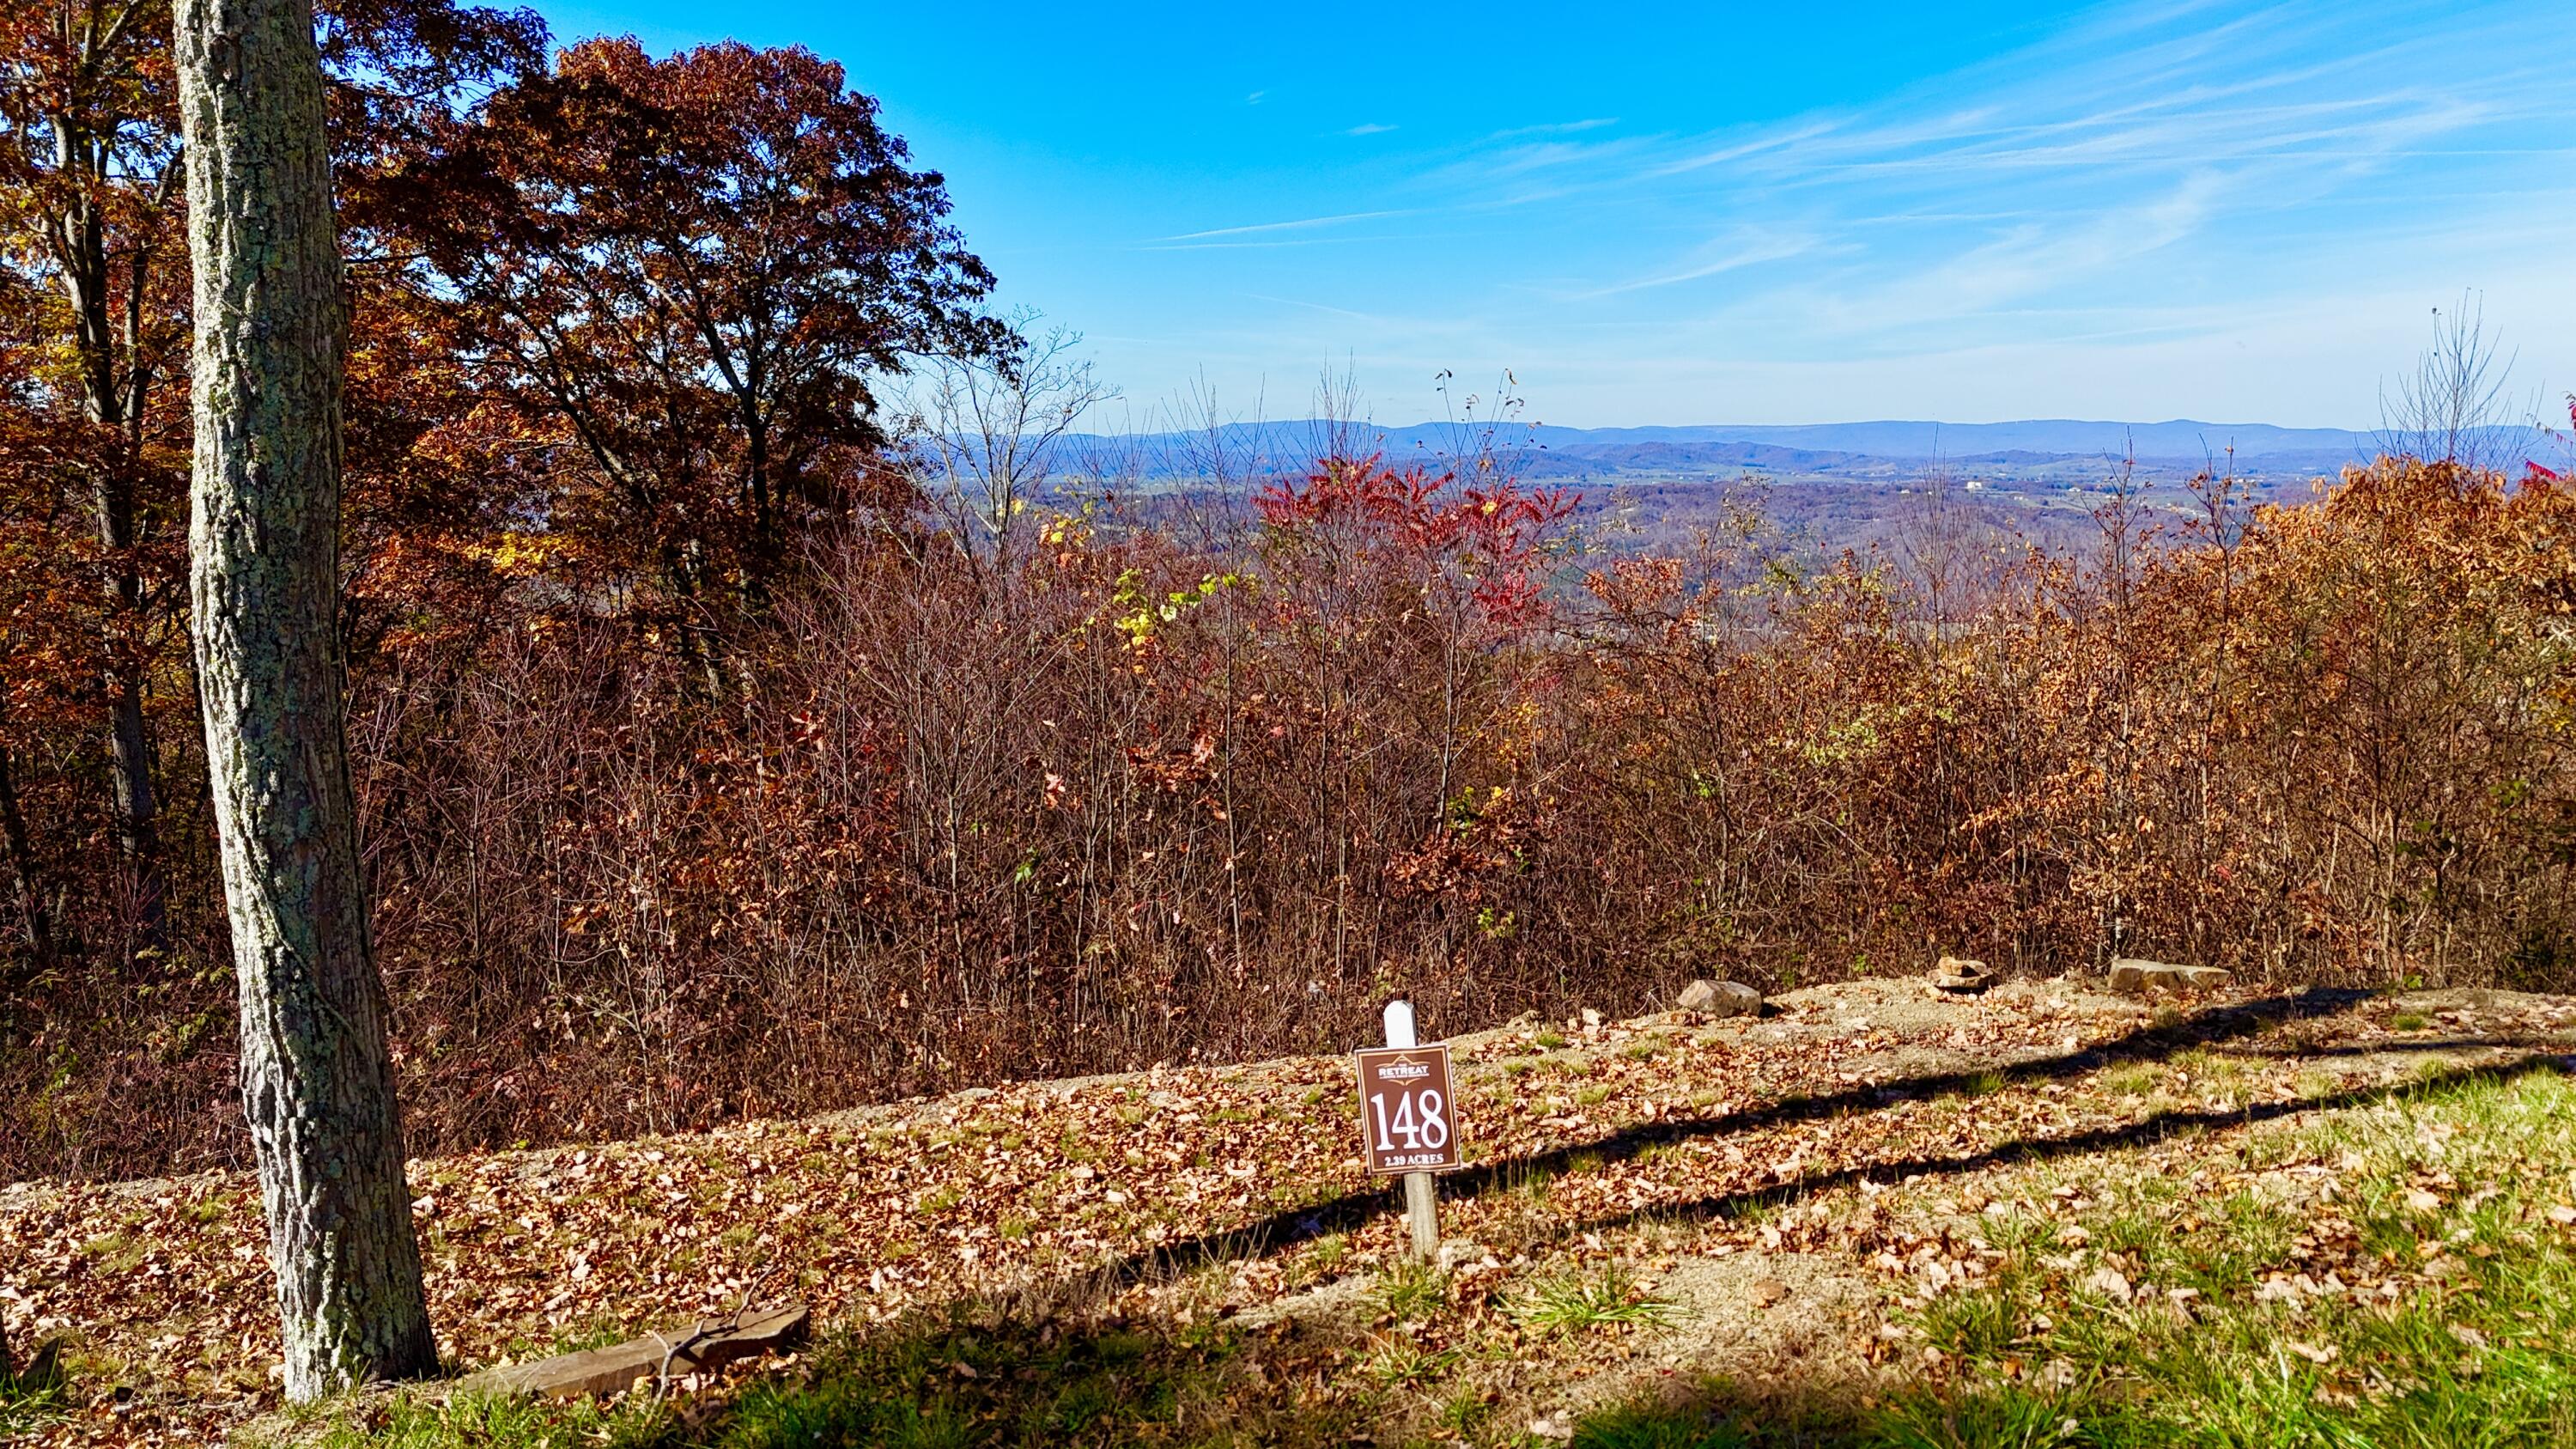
(317,1083)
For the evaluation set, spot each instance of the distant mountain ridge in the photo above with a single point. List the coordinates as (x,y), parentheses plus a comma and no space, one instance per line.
(2054,437)
(1805,447)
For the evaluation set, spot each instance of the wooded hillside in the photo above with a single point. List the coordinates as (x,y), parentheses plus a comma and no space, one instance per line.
(747,722)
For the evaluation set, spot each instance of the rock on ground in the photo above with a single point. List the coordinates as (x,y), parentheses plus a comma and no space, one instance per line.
(2133,976)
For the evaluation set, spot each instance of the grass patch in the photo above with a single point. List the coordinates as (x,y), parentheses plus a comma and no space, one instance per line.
(2449,1320)
(25,1408)
(1400,1362)
(1576,1301)
(2136,1079)
(1982,1084)
(1410,1292)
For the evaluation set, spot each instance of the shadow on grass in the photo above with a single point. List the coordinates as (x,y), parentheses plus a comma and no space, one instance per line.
(2141,1133)
(1046,1368)
(982,1375)
(2151,1043)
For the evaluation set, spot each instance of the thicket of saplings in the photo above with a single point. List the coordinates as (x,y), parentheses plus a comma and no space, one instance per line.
(973,792)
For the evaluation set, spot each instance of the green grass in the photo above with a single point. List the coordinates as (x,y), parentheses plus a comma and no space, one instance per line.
(1410,1292)
(2033,1355)
(1982,1084)
(1400,1362)
(1575,1301)
(23,1410)
(2133,1079)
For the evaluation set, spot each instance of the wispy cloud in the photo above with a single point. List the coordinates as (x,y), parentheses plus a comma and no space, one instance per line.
(1554,128)
(2144,131)
(2203,199)
(1300,224)
(1739,248)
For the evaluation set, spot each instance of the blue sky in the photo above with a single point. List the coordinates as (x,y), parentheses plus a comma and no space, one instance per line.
(1744,213)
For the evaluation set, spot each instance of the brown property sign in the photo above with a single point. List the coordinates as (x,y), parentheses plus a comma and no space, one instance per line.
(1407,1118)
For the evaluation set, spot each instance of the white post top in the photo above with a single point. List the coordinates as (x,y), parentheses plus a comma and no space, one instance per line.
(1399,1023)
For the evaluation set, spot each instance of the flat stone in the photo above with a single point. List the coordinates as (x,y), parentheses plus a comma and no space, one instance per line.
(1722,998)
(691,1348)
(2136,976)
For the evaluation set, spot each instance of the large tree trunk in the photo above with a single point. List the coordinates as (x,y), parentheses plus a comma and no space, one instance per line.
(316,1080)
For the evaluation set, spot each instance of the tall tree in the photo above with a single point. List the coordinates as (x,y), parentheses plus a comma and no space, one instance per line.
(86,182)
(698,269)
(263,584)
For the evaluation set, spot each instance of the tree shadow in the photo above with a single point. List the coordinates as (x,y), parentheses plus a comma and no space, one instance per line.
(1284,1228)
(2144,1132)
(1046,1365)
(1011,1370)
(2410,1046)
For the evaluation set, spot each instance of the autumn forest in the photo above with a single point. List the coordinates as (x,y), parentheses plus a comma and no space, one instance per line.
(754,709)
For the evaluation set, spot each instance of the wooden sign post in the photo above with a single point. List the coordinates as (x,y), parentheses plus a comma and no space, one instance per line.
(1409,1120)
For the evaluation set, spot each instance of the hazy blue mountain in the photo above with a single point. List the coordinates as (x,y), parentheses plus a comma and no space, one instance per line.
(1259,448)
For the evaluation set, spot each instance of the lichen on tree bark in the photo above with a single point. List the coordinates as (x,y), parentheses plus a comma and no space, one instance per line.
(317,1082)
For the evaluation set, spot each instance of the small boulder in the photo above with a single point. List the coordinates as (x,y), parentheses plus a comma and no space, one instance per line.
(1734,998)
(2135,977)
(1720,998)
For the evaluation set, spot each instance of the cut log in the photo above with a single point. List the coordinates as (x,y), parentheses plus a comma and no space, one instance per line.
(691,1348)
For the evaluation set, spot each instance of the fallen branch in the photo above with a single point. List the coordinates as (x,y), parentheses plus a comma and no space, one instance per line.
(707,1344)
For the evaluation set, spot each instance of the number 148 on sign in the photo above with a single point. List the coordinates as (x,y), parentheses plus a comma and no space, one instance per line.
(1407,1118)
